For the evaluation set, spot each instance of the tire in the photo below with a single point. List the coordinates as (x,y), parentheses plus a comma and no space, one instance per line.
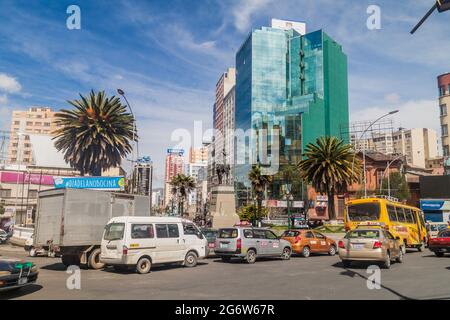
(332,250)
(387,262)
(251,256)
(143,266)
(400,257)
(94,260)
(190,260)
(347,263)
(225,258)
(286,255)
(439,254)
(70,260)
(306,252)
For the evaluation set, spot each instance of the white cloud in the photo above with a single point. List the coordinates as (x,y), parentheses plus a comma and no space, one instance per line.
(392,98)
(9,84)
(3,99)
(244,11)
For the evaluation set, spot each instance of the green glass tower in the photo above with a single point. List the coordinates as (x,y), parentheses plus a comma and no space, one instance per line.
(290,89)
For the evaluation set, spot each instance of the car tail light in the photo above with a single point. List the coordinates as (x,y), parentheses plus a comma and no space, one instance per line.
(124,250)
(341,244)
(298,239)
(238,244)
(377,245)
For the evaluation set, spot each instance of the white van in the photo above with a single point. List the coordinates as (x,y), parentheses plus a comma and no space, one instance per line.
(143,241)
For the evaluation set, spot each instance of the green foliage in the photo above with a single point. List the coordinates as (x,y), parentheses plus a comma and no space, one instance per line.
(398,185)
(330,166)
(96,134)
(247,213)
(259,183)
(182,185)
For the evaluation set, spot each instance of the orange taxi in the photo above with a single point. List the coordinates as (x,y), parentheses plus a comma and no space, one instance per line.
(305,242)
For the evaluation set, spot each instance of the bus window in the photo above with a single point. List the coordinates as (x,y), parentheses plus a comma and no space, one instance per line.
(422,221)
(401,214)
(409,215)
(364,211)
(391,213)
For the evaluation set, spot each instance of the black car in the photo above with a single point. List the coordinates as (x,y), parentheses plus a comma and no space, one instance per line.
(15,274)
(210,235)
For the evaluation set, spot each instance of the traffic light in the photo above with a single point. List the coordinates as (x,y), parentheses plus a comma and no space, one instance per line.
(443,5)
(440,5)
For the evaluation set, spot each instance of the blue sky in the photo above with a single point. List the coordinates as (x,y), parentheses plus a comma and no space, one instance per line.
(168,55)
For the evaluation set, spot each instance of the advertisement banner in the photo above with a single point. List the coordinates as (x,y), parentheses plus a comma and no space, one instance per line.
(99,183)
(21,177)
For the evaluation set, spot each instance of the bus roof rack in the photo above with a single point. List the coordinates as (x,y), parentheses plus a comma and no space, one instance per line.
(380,196)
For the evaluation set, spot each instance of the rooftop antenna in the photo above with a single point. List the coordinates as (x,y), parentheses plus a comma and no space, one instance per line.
(440,5)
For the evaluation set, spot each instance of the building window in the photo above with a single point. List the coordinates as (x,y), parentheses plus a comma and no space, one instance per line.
(444,130)
(5,193)
(443,109)
(446,151)
(32,194)
(38,123)
(47,124)
(16,123)
(441,91)
(29,123)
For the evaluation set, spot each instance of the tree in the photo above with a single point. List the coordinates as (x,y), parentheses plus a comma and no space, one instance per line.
(398,186)
(259,183)
(96,135)
(327,166)
(248,213)
(182,185)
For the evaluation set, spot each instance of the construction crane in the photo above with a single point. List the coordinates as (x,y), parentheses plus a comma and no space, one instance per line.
(440,5)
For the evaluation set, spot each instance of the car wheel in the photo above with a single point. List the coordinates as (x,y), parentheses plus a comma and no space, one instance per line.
(190,260)
(439,254)
(225,258)
(387,261)
(346,263)
(94,260)
(306,252)
(286,255)
(400,257)
(251,256)
(143,266)
(332,250)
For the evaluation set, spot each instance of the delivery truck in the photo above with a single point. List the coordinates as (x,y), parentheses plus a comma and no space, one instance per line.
(71,221)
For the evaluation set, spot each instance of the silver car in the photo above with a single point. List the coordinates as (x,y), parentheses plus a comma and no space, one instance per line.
(249,243)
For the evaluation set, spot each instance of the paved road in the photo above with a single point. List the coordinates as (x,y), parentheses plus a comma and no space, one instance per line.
(421,276)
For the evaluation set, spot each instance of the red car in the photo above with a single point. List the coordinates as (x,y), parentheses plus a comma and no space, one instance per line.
(441,244)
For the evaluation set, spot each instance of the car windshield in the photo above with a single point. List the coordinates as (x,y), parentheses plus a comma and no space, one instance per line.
(290,234)
(366,234)
(228,233)
(114,231)
(444,234)
(437,227)
(364,211)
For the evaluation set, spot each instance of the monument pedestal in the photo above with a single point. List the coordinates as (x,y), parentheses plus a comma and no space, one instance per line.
(223,207)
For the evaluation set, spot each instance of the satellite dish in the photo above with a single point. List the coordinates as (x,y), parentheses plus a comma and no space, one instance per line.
(440,5)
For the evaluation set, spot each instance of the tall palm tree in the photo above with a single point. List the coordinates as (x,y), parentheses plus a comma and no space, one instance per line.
(182,185)
(259,183)
(96,135)
(327,166)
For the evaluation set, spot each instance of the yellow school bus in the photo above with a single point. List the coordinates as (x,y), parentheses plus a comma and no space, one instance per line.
(401,220)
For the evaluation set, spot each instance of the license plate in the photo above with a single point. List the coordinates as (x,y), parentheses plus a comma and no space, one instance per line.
(22,281)
(358,246)
(211,245)
(224,245)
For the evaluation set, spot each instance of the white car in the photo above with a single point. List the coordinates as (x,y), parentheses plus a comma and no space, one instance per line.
(143,241)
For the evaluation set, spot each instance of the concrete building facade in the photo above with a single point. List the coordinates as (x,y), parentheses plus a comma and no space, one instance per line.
(444,105)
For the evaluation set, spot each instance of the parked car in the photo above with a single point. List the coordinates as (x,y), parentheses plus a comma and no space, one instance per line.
(210,235)
(3,236)
(248,243)
(141,242)
(370,244)
(15,274)
(441,244)
(305,242)
(434,228)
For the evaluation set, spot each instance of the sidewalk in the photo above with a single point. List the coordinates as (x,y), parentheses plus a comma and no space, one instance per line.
(10,248)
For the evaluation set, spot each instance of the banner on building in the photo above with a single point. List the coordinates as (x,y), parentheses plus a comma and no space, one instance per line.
(21,177)
(99,183)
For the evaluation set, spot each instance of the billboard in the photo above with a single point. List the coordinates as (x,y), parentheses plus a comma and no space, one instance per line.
(98,183)
(175,151)
(21,177)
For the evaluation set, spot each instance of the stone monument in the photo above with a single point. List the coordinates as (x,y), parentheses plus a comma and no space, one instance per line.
(223,202)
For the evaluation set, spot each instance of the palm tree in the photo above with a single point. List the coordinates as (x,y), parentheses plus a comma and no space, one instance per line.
(96,135)
(182,185)
(327,166)
(259,183)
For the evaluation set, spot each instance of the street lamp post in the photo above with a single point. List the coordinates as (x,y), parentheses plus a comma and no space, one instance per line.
(135,154)
(384,173)
(364,149)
